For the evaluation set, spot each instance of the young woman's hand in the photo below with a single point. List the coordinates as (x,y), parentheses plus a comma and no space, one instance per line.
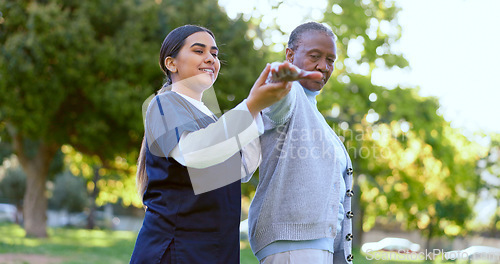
(264,94)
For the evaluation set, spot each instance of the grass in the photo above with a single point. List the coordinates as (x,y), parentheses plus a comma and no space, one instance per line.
(246,255)
(72,245)
(76,246)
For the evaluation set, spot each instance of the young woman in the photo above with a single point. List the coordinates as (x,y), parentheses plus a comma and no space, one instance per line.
(191,163)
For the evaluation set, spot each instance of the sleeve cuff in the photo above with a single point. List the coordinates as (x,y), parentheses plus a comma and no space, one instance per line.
(257,120)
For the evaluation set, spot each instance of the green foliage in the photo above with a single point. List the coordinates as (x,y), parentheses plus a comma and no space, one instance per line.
(13,185)
(77,72)
(69,193)
(411,166)
(5,150)
(56,166)
(489,170)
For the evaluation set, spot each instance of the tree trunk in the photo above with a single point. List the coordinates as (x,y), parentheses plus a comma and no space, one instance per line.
(35,202)
(496,218)
(36,168)
(429,235)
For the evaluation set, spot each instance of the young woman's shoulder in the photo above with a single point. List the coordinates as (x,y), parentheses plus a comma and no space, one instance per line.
(168,96)
(170,107)
(165,100)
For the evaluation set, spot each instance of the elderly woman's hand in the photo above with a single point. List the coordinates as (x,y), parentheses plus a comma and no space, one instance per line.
(285,71)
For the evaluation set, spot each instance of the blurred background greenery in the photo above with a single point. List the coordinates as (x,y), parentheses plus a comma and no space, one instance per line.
(74,76)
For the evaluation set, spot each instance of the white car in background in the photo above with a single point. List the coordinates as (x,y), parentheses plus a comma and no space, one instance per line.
(391,244)
(484,253)
(7,213)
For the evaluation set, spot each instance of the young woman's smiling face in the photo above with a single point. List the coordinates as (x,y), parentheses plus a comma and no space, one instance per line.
(197,64)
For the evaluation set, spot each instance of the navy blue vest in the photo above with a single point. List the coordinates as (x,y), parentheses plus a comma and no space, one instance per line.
(189,228)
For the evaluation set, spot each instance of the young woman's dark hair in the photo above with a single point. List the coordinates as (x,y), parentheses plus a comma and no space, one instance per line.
(170,47)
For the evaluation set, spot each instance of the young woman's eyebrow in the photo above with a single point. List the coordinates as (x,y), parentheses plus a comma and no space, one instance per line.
(203,46)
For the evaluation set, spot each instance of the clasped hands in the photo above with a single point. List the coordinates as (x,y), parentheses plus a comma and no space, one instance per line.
(274,83)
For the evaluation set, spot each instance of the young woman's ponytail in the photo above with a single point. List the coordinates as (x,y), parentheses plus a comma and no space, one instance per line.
(142,176)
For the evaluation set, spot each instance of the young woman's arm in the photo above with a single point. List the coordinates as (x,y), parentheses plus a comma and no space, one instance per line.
(220,140)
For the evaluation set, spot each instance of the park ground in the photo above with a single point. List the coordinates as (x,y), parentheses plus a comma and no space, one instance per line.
(74,246)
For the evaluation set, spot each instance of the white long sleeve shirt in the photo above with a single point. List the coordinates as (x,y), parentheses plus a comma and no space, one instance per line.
(204,148)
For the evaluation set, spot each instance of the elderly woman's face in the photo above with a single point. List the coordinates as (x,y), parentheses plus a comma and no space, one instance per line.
(316,51)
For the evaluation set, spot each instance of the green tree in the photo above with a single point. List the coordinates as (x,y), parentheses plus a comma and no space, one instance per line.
(489,169)
(345,98)
(69,193)
(77,73)
(12,187)
(104,183)
(5,147)
(411,166)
